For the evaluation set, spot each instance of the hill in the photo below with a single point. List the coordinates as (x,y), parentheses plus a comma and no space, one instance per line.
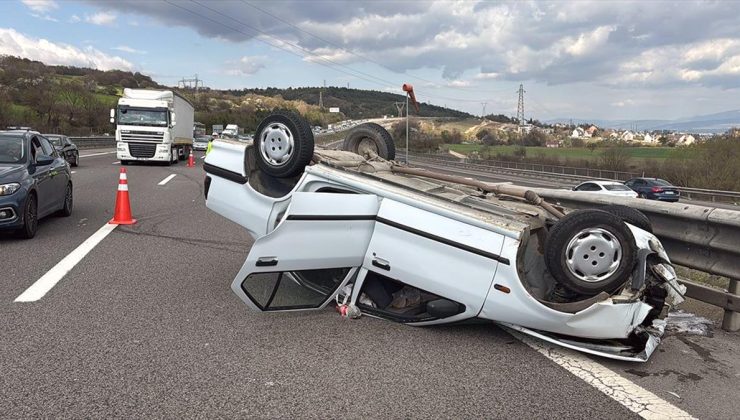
(76,101)
(354,103)
(710,123)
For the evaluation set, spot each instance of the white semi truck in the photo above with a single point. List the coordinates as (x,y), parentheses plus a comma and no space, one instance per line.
(153,125)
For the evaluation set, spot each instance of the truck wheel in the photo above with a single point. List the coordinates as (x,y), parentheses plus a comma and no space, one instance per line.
(631,216)
(590,251)
(124,162)
(284,144)
(370,137)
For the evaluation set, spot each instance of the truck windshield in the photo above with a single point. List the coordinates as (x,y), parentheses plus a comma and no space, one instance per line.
(12,149)
(142,116)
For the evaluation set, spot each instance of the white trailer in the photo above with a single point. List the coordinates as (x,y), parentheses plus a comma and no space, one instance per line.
(153,125)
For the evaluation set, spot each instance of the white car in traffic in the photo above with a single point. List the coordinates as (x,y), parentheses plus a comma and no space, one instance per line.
(614,188)
(421,248)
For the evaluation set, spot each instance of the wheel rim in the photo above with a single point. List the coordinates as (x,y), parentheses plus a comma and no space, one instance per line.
(593,255)
(276,144)
(367,145)
(68,199)
(31,215)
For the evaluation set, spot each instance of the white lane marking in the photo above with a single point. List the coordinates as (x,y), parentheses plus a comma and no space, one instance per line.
(98,154)
(53,276)
(637,399)
(116,163)
(166,180)
(74,172)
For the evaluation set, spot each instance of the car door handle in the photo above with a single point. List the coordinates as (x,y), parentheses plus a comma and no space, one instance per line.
(382,264)
(266,262)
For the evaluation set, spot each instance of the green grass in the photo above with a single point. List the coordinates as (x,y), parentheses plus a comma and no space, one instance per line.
(651,153)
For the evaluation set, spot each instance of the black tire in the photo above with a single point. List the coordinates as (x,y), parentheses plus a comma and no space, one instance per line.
(597,231)
(30,218)
(124,162)
(283,144)
(66,209)
(630,215)
(75,160)
(377,136)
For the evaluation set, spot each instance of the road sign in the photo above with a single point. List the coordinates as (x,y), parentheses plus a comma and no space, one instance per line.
(333,109)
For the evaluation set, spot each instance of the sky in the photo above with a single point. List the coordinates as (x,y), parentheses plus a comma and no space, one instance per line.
(579,59)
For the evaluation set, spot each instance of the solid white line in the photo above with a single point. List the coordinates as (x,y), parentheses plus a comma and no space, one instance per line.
(74,172)
(637,399)
(53,276)
(116,163)
(98,154)
(166,180)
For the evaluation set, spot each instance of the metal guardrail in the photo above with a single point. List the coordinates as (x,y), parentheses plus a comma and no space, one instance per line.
(94,142)
(703,238)
(569,175)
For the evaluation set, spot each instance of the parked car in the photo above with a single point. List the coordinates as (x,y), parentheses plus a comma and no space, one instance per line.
(65,147)
(606,187)
(35,181)
(201,143)
(422,248)
(654,189)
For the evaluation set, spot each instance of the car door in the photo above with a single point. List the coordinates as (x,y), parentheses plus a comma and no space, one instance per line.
(58,174)
(317,247)
(433,253)
(42,177)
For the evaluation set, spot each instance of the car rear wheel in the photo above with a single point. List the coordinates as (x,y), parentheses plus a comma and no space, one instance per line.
(631,216)
(590,251)
(76,160)
(284,144)
(30,218)
(370,137)
(66,210)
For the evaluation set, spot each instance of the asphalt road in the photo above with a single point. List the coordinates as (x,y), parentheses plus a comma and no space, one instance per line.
(146,326)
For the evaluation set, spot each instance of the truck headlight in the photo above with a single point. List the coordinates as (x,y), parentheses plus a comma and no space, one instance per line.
(7,189)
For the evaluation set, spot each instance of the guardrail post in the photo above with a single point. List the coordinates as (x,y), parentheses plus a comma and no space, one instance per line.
(731,320)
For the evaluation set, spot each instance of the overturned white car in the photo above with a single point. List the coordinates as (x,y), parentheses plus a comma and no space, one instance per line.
(423,248)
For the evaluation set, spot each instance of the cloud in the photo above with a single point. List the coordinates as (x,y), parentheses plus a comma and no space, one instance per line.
(45,17)
(101,18)
(41,6)
(246,66)
(74,19)
(127,49)
(550,42)
(16,44)
(458,83)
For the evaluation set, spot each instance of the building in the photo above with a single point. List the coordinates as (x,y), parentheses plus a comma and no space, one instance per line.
(591,130)
(685,140)
(578,132)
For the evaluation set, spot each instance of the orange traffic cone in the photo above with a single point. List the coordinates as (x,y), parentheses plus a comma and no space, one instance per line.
(191,159)
(122,215)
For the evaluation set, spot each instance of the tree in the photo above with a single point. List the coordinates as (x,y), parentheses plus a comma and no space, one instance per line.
(534,138)
(591,146)
(615,158)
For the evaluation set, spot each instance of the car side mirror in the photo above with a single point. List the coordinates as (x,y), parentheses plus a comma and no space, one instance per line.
(112,115)
(173,120)
(43,160)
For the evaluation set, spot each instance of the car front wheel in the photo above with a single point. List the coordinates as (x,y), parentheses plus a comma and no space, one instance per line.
(66,210)
(75,160)
(30,218)
(590,251)
(284,144)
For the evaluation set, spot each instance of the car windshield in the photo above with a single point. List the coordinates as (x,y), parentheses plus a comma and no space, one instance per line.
(139,116)
(660,183)
(616,187)
(12,149)
(55,140)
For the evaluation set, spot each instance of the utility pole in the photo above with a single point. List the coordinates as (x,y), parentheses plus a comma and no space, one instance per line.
(520,108)
(399,106)
(407,128)
(321,100)
(483,114)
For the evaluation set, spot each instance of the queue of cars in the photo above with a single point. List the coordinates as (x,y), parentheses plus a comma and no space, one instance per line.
(35,181)
(648,188)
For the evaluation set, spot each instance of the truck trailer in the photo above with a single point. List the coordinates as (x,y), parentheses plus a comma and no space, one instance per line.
(153,126)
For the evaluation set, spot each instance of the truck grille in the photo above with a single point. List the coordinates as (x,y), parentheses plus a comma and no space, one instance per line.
(142,136)
(142,150)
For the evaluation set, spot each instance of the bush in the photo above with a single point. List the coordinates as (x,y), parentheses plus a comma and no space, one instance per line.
(615,158)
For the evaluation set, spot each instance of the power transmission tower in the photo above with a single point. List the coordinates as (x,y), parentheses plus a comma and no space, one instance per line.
(520,106)
(321,100)
(483,114)
(399,106)
(194,83)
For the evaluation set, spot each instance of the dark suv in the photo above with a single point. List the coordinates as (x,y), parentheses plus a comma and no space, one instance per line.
(34,181)
(654,189)
(65,147)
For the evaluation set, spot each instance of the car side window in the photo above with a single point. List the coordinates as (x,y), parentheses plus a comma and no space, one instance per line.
(36,149)
(589,187)
(48,149)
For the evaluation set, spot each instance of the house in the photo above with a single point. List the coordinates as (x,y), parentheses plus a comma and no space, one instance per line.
(685,140)
(647,138)
(552,144)
(627,136)
(578,132)
(591,130)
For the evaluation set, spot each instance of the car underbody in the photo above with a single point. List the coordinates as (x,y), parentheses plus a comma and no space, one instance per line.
(420,248)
